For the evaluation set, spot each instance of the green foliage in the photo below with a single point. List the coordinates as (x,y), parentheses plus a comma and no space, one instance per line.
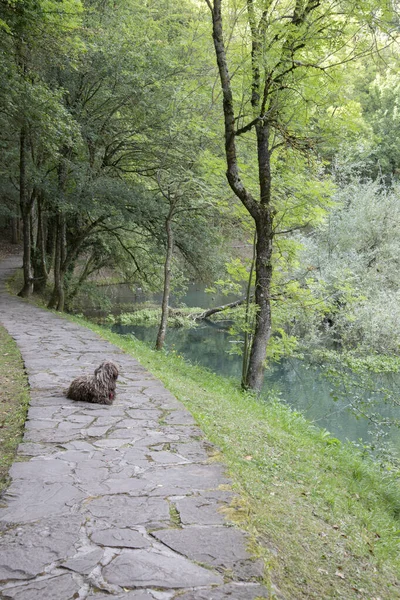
(105,112)
(369,384)
(151,317)
(378,94)
(353,260)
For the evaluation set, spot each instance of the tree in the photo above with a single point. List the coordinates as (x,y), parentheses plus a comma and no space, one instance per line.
(286,52)
(352,260)
(33,112)
(188,216)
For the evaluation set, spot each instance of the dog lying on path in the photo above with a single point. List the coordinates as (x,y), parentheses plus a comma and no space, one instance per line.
(99,388)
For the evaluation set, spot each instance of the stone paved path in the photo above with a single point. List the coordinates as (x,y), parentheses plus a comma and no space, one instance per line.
(111,502)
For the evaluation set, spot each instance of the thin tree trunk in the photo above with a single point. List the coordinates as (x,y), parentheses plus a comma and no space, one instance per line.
(57,300)
(58,295)
(262,332)
(57,268)
(40,267)
(63,256)
(247,335)
(260,209)
(27,288)
(14,230)
(50,243)
(167,282)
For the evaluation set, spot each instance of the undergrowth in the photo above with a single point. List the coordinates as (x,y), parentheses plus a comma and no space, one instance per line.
(182,317)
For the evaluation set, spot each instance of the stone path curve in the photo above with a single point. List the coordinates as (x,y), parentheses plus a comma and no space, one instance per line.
(113,502)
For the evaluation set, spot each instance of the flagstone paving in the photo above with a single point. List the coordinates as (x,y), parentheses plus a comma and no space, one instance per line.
(113,502)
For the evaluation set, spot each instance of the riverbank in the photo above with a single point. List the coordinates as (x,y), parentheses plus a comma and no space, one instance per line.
(326,519)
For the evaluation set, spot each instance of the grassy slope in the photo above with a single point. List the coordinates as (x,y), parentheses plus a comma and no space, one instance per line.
(14,397)
(327,519)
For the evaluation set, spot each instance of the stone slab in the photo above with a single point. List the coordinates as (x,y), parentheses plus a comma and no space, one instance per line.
(26,550)
(185,479)
(124,511)
(203,509)
(37,500)
(63,587)
(119,538)
(135,595)
(85,562)
(218,547)
(143,568)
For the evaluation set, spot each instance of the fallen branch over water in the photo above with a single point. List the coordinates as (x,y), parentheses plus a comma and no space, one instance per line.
(212,311)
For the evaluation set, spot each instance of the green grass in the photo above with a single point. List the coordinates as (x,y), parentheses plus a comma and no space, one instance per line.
(326,520)
(14,398)
(148,316)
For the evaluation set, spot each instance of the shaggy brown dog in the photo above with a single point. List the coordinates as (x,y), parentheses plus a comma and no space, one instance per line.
(99,388)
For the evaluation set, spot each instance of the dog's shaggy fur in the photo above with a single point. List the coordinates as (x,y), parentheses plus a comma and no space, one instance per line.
(99,388)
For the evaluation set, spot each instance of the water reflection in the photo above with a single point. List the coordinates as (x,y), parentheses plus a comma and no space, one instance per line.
(124,298)
(304,388)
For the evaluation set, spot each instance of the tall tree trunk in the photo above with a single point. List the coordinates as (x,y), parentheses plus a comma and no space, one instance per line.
(262,332)
(15,228)
(63,255)
(50,243)
(259,209)
(265,235)
(40,264)
(167,282)
(57,299)
(25,205)
(56,268)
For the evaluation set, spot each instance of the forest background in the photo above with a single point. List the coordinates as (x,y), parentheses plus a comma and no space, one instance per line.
(143,140)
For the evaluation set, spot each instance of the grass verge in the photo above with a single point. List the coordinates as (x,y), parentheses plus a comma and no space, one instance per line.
(14,398)
(326,519)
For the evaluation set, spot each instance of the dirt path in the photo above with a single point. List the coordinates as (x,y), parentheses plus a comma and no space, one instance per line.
(111,502)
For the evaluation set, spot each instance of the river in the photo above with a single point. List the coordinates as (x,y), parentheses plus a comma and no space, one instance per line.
(297,383)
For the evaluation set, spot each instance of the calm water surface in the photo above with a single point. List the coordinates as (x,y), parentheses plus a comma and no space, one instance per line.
(302,387)
(297,383)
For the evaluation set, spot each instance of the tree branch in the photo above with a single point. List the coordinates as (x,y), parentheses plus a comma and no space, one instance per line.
(229,116)
(217,309)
